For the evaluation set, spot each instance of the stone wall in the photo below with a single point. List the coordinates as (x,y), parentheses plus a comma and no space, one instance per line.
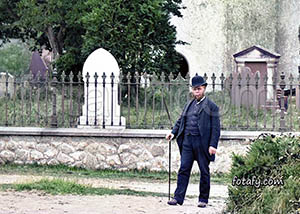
(102,152)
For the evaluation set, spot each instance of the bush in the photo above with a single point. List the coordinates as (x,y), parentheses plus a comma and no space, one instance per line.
(270,158)
(15,58)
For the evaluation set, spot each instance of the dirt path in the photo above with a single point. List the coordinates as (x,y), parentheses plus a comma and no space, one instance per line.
(12,202)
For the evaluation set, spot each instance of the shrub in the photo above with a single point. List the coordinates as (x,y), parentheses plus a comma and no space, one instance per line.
(15,58)
(270,158)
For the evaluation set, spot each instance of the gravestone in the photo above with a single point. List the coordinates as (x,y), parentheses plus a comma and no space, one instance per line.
(37,65)
(10,87)
(101,102)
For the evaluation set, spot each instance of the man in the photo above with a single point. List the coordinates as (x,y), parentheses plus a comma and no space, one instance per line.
(197,132)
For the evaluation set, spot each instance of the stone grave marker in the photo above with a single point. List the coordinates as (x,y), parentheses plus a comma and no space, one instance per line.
(37,65)
(10,88)
(101,102)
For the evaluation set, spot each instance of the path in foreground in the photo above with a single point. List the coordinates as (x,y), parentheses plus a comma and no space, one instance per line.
(12,202)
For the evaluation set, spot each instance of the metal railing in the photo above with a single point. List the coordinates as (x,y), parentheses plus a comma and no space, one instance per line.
(246,102)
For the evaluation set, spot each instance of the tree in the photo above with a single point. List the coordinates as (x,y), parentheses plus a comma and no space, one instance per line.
(137,32)
(14,58)
(57,27)
(8,21)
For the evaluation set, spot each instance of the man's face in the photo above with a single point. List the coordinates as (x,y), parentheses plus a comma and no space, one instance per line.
(198,91)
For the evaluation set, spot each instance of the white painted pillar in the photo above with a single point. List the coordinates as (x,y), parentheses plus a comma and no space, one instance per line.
(271,65)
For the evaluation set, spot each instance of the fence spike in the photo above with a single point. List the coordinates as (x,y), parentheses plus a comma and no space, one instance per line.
(171,77)
(231,77)
(248,79)
(39,75)
(155,77)
(187,76)
(137,76)
(71,76)
(128,76)
(79,76)
(112,78)
(30,75)
(291,78)
(222,77)
(205,77)
(103,76)
(213,77)
(63,76)
(266,79)
(163,77)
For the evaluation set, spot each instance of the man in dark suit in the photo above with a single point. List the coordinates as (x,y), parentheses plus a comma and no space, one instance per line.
(197,132)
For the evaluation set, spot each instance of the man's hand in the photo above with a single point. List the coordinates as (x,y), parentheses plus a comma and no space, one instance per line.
(212,150)
(169,136)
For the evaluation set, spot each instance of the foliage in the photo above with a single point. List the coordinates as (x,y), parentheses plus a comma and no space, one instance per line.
(138,33)
(9,17)
(14,58)
(269,157)
(56,27)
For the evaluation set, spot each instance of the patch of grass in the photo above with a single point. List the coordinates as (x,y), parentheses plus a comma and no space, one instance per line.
(62,187)
(65,171)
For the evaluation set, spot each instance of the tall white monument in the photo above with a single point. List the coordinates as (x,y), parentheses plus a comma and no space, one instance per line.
(101,108)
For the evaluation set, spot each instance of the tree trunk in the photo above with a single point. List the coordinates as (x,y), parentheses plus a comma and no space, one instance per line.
(54,42)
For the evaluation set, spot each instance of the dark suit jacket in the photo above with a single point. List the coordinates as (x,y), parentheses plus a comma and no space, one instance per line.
(208,123)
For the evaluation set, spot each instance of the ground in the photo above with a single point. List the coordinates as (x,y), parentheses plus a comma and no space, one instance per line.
(12,202)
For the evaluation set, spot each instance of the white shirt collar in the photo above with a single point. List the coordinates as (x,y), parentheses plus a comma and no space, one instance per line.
(201,100)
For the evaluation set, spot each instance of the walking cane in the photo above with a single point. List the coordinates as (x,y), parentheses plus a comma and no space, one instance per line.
(170,168)
(169,193)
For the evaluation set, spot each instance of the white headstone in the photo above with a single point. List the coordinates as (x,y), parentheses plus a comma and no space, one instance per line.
(10,87)
(100,62)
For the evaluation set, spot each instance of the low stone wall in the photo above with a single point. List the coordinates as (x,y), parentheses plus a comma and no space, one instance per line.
(102,149)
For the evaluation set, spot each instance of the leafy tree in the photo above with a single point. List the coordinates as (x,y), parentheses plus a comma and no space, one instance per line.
(57,27)
(14,58)
(8,19)
(138,32)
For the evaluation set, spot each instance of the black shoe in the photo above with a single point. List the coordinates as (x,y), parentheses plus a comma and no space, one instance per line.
(173,202)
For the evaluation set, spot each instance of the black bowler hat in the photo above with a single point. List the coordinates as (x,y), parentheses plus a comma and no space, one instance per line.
(198,81)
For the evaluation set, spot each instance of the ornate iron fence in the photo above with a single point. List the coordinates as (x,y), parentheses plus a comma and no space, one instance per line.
(246,101)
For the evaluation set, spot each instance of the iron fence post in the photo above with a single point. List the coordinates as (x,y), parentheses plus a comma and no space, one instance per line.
(282,126)
(6,97)
(103,102)
(54,83)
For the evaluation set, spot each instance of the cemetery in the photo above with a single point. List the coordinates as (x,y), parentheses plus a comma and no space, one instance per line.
(104,98)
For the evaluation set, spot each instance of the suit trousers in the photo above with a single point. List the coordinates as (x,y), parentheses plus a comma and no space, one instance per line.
(193,150)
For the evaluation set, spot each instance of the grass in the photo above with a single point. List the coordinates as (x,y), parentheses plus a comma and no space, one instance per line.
(64,171)
(62,187)
(37,109)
